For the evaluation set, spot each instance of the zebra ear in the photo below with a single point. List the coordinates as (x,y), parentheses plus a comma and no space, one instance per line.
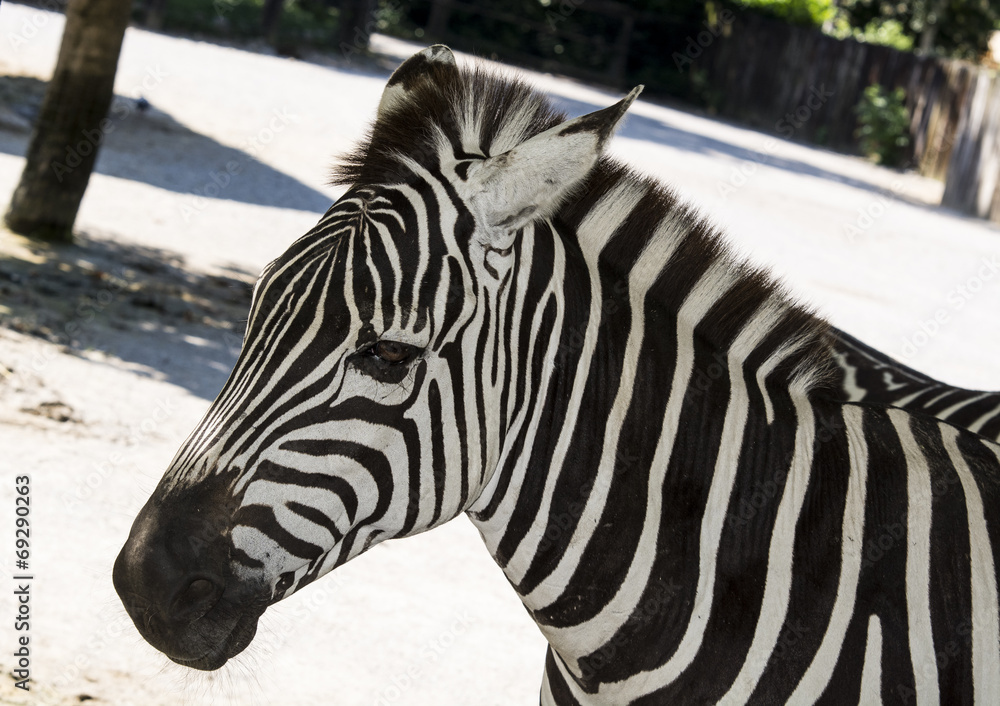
(529,182)
(431,64)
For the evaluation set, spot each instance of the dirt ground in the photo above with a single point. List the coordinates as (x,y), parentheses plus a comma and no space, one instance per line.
(111,350)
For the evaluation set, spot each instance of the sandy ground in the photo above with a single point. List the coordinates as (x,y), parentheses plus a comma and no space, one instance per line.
(111,350)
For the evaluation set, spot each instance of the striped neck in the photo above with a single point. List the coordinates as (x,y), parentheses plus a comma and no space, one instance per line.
(637,324)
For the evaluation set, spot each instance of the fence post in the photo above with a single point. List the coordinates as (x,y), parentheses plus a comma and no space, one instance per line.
(437,23)
(619,61)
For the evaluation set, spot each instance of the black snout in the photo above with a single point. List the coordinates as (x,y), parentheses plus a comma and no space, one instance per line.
(171,567)
(174,577)
(196,597)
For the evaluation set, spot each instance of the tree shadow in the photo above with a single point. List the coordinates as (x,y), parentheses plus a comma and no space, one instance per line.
(144,144)
(101,298)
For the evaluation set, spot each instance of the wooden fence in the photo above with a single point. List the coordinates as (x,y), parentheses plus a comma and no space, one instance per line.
(805,85)
(611,55)
(971,185)
(599,41)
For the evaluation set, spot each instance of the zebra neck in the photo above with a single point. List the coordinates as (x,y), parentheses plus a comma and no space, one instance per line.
(596,489)
(663,358)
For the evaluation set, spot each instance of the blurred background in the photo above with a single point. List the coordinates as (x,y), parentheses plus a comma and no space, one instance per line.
(156,154)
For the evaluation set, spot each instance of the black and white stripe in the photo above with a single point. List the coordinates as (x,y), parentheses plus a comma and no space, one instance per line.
(498,321)
(868,375)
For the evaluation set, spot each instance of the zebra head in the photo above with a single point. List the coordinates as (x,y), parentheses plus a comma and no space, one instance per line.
(371,397)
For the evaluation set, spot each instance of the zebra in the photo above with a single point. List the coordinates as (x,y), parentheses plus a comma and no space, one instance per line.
(499,320)
(867,374)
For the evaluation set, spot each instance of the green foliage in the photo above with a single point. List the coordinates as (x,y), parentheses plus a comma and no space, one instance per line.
(883,125)
(801,12)
(889,33)
(955,28)
(656,44)
(388,15)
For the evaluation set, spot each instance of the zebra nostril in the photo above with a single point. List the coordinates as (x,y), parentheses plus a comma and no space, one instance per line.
(199,590)
(197,598)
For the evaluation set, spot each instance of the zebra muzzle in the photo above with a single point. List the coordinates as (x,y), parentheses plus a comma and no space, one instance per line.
(174,577)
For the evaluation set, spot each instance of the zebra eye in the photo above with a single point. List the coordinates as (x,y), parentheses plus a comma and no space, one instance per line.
(392,352)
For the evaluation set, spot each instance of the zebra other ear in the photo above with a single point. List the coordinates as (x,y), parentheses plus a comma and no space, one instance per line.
(529,182)
(431,64)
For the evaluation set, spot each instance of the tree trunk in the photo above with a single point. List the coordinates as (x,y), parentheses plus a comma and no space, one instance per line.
(932,21)
(72,122)
(155,12)
(356,23)
(270,15)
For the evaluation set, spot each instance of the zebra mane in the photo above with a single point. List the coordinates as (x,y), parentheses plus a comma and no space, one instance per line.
(483,112)
(652,207)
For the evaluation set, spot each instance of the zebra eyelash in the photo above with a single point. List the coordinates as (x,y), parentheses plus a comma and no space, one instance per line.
(393,352)
(375,360)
